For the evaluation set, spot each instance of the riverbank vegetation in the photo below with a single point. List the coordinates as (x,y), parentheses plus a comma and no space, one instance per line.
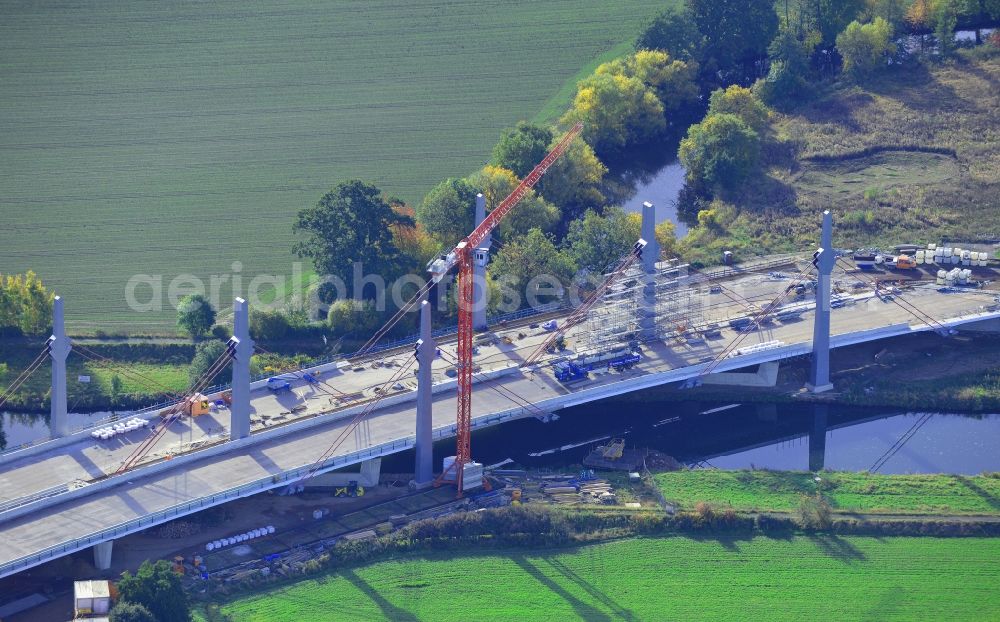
(845,493)
(706,577)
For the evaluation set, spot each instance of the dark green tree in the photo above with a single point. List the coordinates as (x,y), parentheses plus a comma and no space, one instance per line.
(522,259)
(269,325)
(736,31)
(674,32)
(944,29)
(448,210)
(126,611)
(521,148)
(787,79)
(204,356)
(195,315)
(831,17)
(157,588)
(351,223)
(595,241)
(721,151)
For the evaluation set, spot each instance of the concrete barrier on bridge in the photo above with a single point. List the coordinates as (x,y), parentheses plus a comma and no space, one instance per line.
(35,502)
(260,485)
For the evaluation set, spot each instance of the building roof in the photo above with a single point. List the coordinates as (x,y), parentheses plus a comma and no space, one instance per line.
(91,589)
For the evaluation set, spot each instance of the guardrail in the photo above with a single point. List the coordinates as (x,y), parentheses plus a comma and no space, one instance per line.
(260,485)
(35,496)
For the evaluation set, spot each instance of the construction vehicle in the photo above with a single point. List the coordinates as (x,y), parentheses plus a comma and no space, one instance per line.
(569,371)
(278,385)
(711,331)
(350,490)
(905,262)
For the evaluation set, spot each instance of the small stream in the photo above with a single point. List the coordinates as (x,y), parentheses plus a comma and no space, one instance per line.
(651,174)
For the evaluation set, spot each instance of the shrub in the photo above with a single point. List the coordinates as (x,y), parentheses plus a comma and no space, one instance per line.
(741,102)
(206,354)
(865,48)
(222,333)
(269,325)
(352,316)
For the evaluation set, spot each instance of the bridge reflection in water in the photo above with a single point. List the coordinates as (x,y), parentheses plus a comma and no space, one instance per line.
(776,436)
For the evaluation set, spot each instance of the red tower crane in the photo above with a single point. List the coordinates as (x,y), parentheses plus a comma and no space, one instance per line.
(463,256)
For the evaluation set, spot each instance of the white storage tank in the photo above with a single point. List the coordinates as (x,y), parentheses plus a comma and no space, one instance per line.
(956,259)
(941,275)
(932,247)
(966,258)
(920,257)
(947,251)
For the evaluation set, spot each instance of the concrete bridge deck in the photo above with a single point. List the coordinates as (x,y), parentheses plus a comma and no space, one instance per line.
(41,517)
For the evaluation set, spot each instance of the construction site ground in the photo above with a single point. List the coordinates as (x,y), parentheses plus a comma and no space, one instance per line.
(291,516)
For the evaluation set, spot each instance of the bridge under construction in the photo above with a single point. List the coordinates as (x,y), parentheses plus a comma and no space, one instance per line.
(649,322)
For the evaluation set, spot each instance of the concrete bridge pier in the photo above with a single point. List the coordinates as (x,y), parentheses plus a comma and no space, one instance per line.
(479,290)
(817,438)
(824,260)
(59,347)
(240,349)
(423,471)
(650,255)
(102,555)
(367,476)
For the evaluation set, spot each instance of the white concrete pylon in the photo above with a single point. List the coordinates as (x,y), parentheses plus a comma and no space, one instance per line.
(819,373)
(240,349)
(59,347)
(423,474)
(479,291)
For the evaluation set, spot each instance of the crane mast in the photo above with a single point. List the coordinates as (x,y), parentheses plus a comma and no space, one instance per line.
(462,256)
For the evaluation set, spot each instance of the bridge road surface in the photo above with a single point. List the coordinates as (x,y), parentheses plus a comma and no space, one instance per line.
(146,494)
(88,458)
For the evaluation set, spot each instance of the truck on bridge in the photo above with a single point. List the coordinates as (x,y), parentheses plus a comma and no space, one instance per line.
(569,371)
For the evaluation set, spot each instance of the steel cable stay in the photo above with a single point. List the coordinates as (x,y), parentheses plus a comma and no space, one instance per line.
(172,414)
(403,310)
(108,363)
(580,313)
(501,390)
(30,369)
(301,374)
(349,429)
(906,305)
(754,323)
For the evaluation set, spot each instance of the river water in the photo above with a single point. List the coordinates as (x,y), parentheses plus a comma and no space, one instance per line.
(722,435)
(739,436)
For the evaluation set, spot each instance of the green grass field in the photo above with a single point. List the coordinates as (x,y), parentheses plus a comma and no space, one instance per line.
(166,139)
(848,492)
(801,578)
